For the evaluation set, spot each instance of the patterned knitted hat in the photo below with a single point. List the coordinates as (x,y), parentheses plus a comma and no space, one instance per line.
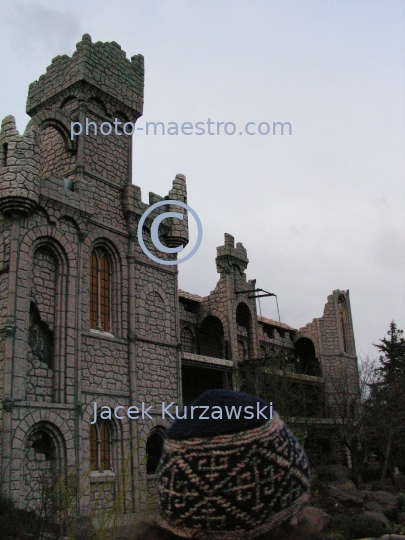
(230,478)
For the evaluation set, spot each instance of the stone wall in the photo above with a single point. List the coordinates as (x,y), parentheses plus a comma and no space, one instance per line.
(104,363)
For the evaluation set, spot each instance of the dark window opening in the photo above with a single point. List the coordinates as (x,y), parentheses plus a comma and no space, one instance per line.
(197,380)
(187,341)
(5,155)
(40,337)
(243,316)
(268,331)
(189,305)
(307,363)
(342,319)
(154,448)
(43,444)
(211,338)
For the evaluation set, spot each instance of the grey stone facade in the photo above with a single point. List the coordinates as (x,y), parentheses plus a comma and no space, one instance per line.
(62,201)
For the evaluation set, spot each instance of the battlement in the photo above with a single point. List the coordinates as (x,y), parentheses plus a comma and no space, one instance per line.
(102,65)
(228,255)
(19,169)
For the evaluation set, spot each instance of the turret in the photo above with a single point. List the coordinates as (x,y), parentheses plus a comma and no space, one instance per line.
(178,232)
(99,89)
(228,256)
(19,169)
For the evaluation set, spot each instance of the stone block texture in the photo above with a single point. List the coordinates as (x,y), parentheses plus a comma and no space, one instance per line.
(86,316)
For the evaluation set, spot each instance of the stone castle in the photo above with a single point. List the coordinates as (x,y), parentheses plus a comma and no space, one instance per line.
(87,317)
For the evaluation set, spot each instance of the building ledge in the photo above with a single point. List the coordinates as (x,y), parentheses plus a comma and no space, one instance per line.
(102,476)
(207,360)
(297,376)
(101,333)
(308,420)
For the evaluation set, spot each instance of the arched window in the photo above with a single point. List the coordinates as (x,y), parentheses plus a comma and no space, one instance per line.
(4,155)
(100,446)
(211,337)
(243,322)
(342,319)
(100,291)
(187,340)
(307,363)
(154,448)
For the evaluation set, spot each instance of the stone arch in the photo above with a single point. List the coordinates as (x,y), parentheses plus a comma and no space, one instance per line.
(153,320)
(70,221)
(47,235)
(55,426)
(98,105)
(59,122)
(46,238)
(44,462)
(121,115)
(69,101)
(42,211)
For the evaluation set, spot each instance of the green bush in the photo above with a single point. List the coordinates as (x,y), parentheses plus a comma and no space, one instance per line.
(326,474)
(15,523)
(371,475)
(357,526)
(401,503)
(334,536)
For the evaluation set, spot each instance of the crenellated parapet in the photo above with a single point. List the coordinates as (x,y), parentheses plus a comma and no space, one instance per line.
(19,169)
(174,231)
(177,233)
(103,66)
(229,256)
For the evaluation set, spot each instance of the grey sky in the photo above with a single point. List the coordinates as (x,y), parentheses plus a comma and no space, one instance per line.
(319,210)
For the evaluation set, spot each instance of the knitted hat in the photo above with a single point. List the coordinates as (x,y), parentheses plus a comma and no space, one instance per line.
(230,478)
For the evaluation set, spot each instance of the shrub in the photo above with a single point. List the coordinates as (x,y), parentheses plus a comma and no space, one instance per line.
(334,536)
(366,526)
(357,526)
(371,475)
(327,474)
(15,523)
(401,503)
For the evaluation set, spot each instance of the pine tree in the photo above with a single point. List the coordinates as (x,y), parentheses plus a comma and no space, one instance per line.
(392,360)
(386,406)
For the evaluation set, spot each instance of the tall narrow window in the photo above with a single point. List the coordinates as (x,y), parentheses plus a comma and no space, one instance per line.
(342,317)
(100,291)
(100,446)
(187,340)
(154,448)
(4,155)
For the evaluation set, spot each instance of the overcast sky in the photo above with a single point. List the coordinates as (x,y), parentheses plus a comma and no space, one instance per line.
(318,210)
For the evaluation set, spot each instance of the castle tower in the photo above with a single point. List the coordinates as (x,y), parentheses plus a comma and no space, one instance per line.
(87,316)
(100,88)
